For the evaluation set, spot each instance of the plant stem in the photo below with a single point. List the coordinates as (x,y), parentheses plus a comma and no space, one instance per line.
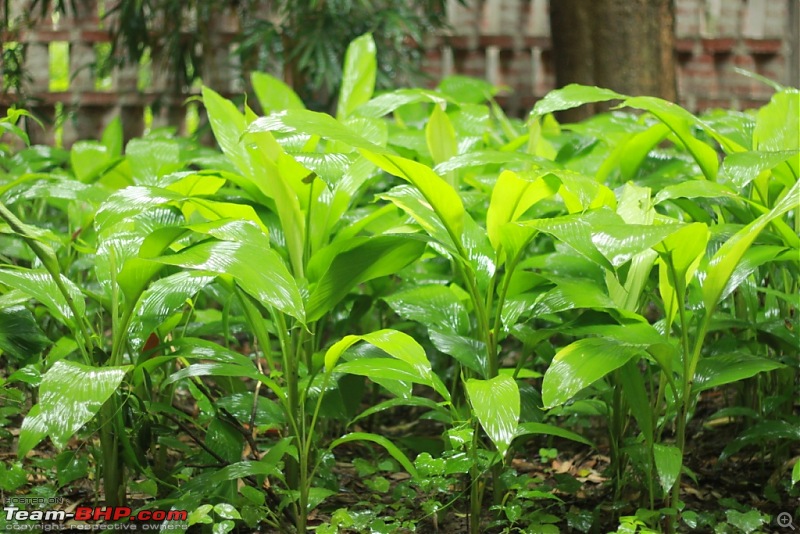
(296,471)
(476,488)
(480,312)
(113,471)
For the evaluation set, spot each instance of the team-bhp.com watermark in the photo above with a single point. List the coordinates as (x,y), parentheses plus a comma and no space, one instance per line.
(48,518)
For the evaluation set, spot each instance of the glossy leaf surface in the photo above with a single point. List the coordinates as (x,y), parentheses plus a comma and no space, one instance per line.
(580,364)
(70,395)
(496,404)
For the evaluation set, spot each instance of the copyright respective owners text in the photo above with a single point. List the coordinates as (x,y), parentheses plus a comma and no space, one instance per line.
(50,514)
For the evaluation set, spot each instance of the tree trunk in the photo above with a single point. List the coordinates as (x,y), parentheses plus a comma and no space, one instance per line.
(625,46)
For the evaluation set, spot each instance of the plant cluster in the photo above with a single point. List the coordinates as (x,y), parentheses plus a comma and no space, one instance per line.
(229,323)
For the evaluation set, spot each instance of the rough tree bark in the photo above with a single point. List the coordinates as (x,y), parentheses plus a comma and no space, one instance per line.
(626,45)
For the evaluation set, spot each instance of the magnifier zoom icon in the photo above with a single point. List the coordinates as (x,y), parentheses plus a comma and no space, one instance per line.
(784,520)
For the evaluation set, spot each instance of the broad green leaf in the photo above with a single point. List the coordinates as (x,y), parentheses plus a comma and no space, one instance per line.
(620,242)
(695,189)
(397,345)
(752,260)
(537,144)
(358,76)
(724,262)
(582,363)
(641,333)
(633,386)
(267,466)
(127,202)
(680,121)
(241,406)
(778,123)
(224,440)
(151,159)
(505,160)
(317,495)
(331,168)
(478,251)
(680,253)
(581,193)
(390,447)
(239,230)
(411,201)
(228,369)
(295,121)
(336,350)
(635,207)
(193,348)
(376,257)
(571,294)
(35,428)
(439,195)
(226,511)
(112,137)
(88,159)
(228,124)
(214,210)
(40,286)
(441,138)
(197,184)
(52,187)
(466,89)
(496,404)
(388,102)
(69,397)
(381,370)
(577,231)
(527,429)
(433,305)
(273,94)
(20,335)
(163,298)
(259,272)
(376,130)
(572,96)
(668,464)
(514,237)
(118,262)
(635,150)
(71,466)
(469,352)
(744,167)
(9,126)
(747,522)
(358,172)
(723,369)
(512,196)
(762,433)
(259,166)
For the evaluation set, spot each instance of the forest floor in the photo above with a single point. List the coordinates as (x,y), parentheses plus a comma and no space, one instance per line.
(578,476)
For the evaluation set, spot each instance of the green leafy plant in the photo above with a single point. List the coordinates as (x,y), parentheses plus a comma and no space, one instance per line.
(418,274)
(681,251)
